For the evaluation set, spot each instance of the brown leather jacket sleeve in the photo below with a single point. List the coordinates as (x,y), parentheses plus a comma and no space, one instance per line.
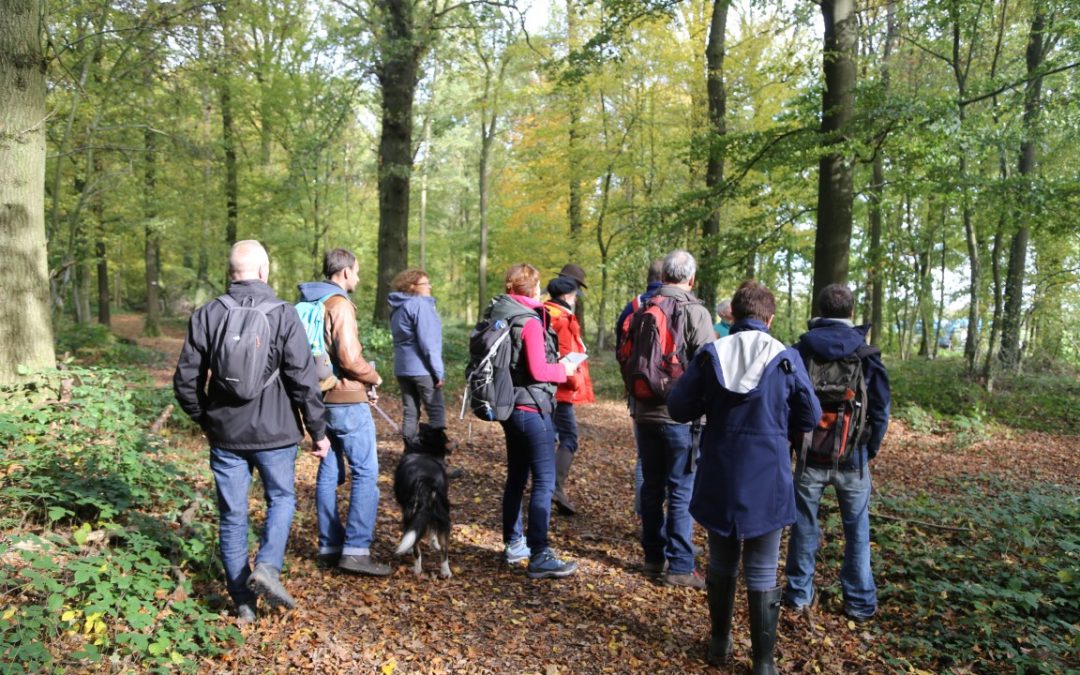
(344,342)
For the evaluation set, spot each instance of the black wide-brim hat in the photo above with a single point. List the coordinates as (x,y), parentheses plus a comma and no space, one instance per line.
(574,272)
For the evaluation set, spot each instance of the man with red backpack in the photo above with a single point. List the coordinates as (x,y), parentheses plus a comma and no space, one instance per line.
(662,337)
(837,452)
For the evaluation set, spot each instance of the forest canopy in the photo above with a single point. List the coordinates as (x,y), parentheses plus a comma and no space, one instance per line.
(464,137)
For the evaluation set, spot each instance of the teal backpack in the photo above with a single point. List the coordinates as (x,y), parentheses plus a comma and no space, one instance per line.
(313,316)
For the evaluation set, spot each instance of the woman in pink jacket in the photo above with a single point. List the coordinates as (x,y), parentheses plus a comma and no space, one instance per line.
(535,371)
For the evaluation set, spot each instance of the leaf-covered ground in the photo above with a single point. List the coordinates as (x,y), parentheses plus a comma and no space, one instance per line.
(607,618)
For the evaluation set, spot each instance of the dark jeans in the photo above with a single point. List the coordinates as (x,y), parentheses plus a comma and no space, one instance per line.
(529,442)
(416,391)
(565,421)
(759,557)
(664,450)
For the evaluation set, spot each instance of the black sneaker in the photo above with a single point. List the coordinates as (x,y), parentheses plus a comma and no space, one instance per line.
(245,613)
(860,619)
(363,564)
(654,570)
(544,565)
(266,583)
(328,560)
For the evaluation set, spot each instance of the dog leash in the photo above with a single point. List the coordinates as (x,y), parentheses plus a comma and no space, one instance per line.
(393,425)
(386,417)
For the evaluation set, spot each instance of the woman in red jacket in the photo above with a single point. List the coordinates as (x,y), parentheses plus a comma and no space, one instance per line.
(577,389)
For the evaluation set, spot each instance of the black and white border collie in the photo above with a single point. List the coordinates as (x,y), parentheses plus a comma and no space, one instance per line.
(420,487)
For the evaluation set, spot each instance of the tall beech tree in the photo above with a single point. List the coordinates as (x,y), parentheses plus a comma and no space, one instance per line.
(835,174)
(715,50)
(26,336)
(1035,55)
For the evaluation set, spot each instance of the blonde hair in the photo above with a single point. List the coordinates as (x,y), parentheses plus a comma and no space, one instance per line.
(406,280)
(522,279)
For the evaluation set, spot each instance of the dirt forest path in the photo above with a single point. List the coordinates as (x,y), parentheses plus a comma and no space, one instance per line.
(489,618)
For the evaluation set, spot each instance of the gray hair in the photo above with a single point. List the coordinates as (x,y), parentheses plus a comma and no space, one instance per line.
(679,267)
(723,306)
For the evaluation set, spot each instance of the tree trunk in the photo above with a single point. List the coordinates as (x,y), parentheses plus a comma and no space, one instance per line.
(1014,278)
(714,172)
(832,242)
(152,325)
(487,136)
(573,154)
(24,277)
(876,197)
(397,72)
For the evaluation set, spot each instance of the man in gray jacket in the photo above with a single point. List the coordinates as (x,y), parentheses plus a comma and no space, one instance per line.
(665,447)
(252,434)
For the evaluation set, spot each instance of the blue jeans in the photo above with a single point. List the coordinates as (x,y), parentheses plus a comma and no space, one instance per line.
(565,421)
(665,452)
(352,437)
(529,442)
(414,392)
(853,489)
(759,557)
(232,479)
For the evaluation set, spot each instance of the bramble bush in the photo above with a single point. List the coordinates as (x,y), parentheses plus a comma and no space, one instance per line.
(105,536)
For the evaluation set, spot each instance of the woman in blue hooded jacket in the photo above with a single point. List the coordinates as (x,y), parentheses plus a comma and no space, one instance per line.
(752,389)
(418,364)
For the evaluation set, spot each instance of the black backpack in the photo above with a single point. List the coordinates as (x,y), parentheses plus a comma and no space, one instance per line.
(241,348)
(840,386)
(489,388)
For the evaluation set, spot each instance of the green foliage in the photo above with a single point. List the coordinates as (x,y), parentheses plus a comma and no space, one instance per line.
(1002,592)
(94,344)
(937,395)
(111,573)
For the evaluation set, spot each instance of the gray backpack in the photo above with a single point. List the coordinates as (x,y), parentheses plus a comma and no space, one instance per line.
(241,348)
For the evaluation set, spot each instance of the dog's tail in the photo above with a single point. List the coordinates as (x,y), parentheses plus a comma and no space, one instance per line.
(426,506)
(407,542)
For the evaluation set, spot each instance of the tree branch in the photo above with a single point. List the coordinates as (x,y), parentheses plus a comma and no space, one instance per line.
(1013,85)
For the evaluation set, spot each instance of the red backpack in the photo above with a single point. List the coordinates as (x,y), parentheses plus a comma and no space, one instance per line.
(652,355)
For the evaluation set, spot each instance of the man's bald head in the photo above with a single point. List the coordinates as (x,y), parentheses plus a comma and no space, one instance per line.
(248,260)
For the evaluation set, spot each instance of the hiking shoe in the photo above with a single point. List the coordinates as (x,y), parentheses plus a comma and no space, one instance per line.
(860,619)
(328,560)
(516,551)
(544,565)
(654,569)
(363,564)
(266,583)
(691,579)
(245,613)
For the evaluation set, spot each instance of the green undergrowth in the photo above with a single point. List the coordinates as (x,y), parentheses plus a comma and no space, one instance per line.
(103,538)
(938,396)
(974,575)
(91,344)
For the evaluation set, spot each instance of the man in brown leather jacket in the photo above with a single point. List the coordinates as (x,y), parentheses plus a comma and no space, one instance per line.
(348,425)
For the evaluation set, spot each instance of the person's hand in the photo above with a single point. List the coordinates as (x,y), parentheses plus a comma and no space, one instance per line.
(439,384)
(320,448)
(378,380)
(570,368)
(372,395)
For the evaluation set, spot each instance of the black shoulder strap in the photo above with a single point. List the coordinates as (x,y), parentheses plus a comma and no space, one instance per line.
(228,300)
(865,351)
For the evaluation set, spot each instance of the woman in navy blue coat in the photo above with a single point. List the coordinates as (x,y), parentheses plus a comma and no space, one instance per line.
(753,390)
